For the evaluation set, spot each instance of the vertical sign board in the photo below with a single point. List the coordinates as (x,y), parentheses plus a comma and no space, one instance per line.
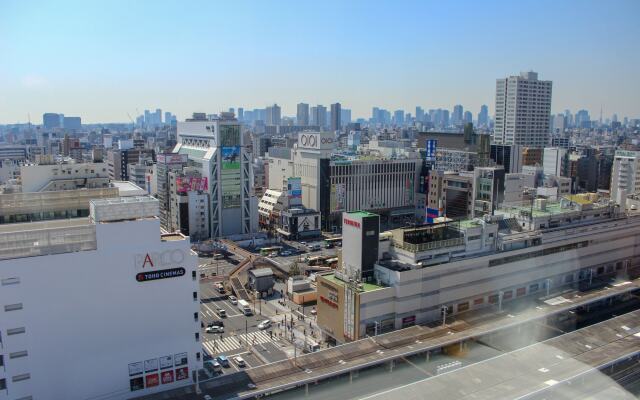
(431,150)
(294,188)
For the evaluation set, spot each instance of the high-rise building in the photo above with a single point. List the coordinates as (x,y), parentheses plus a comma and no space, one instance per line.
(240,114)
(345,116)
(523,108)
(374,115)
(51,120)
(273,115)
(398,117)
(456,116)
(467,117)
(336,115)
(216,146)
(483,116)
(583,120)
(72,123)
(419,114)
(625,175)
(555,161)
(319,116)
(167,118)
(302,114)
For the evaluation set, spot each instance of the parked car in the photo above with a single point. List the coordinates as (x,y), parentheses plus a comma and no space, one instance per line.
(233,300)
(314,311)
(222,313)
(215,323)
(266,324)
(239,361)
(224,361)
(286,253)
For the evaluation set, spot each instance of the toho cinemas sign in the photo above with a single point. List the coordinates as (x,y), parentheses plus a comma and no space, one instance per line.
(149,265)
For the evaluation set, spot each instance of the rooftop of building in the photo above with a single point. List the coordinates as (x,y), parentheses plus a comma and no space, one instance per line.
(365,286)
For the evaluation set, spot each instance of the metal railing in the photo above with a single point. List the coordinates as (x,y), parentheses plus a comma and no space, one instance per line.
(415,248)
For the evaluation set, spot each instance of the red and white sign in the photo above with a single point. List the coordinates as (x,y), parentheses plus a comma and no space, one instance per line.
(191,184)
(355,224)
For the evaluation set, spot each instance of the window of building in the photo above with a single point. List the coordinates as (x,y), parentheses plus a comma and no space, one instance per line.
(478,301)
(197,336)
(463,306)
(15,331)
(198,356)
(507,295)
(3,384)
(493,299)
(195,296)
(521,292)
(18,354)
(13,307)
(21,377)
(10,281)
(193,275)
(195,316)
(568,278)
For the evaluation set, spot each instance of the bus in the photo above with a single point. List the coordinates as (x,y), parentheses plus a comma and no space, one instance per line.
(317,260)
(265,251)
(333,242)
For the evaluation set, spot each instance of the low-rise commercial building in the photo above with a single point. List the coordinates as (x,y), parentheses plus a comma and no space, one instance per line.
(456,266)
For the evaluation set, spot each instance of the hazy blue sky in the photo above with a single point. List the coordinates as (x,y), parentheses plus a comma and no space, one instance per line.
(102,59)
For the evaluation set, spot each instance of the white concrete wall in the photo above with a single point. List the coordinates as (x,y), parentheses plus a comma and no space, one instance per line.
(87,317)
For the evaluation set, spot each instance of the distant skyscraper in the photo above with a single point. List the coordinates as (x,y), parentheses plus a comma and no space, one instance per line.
(51,120)
(302,114)
(419,114)
(375,114)
(345,116)
(483,116)
(273,115)
(398,117)
(523,108)
(456,117)
(583,120)
(240,114)
(167,118)
(467,117)
(336,114)
(72,123)
(158,117)
(319,116)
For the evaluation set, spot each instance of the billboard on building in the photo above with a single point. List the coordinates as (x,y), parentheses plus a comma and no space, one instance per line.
(135,368)
(166,362)
(166,377)
(151,380)
(431,150)
(176,158)
(231,157)
(191,183)
(338,194)
(180,359)
(294,188)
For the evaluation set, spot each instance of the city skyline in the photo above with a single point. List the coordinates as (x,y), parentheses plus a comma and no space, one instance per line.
(342,53)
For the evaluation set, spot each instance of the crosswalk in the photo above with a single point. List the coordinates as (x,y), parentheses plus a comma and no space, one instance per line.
(230,343)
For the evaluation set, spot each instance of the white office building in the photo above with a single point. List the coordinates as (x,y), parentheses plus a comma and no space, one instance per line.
(104,307)
(523,109)
(555,161)
(625,175)
(216,149)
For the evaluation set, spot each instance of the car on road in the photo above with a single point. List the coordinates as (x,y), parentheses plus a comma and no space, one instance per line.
(222,313)
(251,385)
(207,397)
(266,324)
(314,247)
(314,311)
(286,253)
(215,323)
(233,300)
(239,361)
(303,243)
(213,366)
(215,329)
(223,360)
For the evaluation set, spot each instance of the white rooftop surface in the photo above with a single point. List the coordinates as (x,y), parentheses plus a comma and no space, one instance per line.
(128,189)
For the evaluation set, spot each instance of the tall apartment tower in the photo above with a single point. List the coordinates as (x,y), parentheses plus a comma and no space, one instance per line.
(216,147)
(336,113)
(303,114)
(523,108)
(273,115)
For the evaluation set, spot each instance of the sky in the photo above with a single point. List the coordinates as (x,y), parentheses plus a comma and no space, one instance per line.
(105,60)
